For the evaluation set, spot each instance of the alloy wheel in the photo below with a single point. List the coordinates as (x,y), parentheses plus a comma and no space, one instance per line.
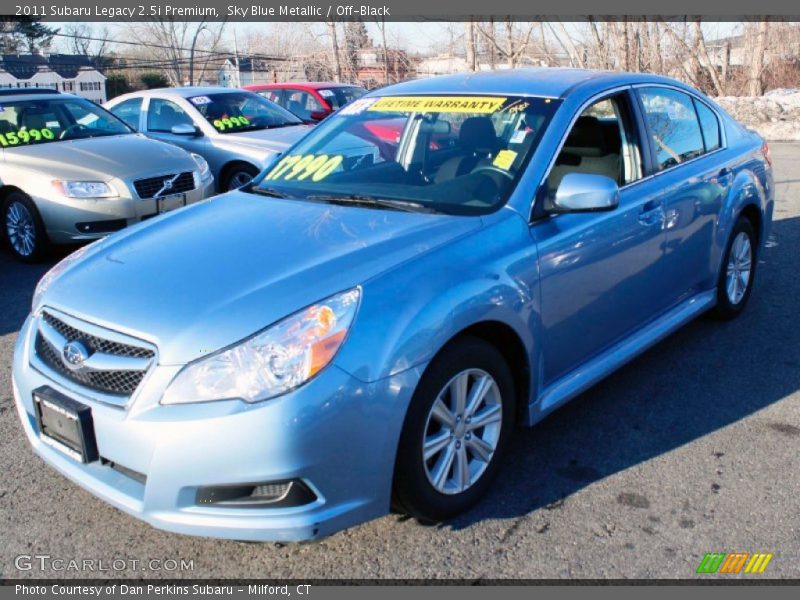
(21,229)
(239,179)
(462,431)
(740,266)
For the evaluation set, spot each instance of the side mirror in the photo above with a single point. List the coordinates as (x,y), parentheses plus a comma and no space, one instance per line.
(584,192)
(318,115)
(185,129)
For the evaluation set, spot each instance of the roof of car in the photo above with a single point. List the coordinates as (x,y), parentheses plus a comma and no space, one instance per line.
(188,91)
(549,82)
(29,94)
(312,85)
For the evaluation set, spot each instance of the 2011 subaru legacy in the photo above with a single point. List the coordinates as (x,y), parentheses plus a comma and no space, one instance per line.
(365,324)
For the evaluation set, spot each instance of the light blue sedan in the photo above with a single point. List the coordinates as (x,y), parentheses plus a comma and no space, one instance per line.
(364,325)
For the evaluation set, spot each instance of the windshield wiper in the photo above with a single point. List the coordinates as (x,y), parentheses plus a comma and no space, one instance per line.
(360,200)
(267,191)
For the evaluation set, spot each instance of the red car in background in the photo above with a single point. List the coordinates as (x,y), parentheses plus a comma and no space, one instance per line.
(311,101)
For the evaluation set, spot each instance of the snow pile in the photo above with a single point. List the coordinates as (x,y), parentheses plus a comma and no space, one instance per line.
(776,115)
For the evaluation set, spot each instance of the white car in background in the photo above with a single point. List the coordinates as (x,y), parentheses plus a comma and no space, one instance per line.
(236,131)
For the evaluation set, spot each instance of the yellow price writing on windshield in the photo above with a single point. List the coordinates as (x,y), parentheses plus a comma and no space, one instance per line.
(301,167)
(25,136)
(230,123)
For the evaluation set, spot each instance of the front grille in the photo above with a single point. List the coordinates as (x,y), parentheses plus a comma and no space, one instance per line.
(120,383)
(148,188)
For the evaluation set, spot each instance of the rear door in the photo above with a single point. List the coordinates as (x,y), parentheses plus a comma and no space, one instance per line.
(685,139)
(601,274)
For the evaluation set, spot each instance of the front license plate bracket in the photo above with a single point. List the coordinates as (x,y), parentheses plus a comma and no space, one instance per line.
(65,424)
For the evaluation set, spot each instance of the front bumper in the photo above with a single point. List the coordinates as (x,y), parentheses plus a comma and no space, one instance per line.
(61,214)
(337,434)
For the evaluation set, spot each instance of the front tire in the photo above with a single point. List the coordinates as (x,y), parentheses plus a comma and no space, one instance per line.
(239,176)
(738,271)
(457,428)
(23,228)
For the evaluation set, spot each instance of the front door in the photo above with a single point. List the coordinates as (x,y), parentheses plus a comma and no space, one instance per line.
(601,274)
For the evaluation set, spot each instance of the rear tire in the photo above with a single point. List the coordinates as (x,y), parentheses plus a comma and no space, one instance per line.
(737,273)
(450,449)
(23,228)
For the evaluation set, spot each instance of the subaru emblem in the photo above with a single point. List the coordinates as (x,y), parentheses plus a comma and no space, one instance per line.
(74,355)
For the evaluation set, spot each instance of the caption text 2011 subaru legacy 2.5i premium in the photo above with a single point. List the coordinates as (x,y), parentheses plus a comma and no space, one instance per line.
(365,324)
(71,171)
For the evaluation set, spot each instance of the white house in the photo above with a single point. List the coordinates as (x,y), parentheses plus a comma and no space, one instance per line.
(69,73)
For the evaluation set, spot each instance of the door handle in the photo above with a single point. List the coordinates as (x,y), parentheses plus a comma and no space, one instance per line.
(652,213)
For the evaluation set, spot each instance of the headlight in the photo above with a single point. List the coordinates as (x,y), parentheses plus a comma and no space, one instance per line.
(272,362)
(84,189)
(51,275)
(202,168)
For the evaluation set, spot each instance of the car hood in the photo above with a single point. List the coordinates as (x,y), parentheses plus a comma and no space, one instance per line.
(101,158)
(214,273)
(274,140)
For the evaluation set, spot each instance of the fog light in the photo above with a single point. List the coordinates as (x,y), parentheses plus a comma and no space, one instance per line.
(270,494)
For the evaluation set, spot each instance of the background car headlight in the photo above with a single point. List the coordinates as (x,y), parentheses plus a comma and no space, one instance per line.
(203,170)
(84,189)
(272,362)
(53,273)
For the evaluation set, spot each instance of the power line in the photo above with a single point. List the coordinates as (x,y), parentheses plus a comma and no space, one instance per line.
(217,53)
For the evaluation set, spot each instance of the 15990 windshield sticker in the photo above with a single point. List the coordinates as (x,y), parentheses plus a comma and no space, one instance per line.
(301,167)
(26,136)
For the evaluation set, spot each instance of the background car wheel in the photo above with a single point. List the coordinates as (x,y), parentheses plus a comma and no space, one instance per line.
(457,428)
(23,228)
(239,175)
(738,271)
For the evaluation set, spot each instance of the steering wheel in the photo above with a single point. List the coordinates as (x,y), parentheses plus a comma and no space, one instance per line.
(73,127)
(492,169)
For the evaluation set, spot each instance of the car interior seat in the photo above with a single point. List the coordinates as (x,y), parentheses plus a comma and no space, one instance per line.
(593,147)
(167,117)
(478,141)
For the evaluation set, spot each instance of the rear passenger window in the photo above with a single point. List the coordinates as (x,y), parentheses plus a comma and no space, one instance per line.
(709,125)
(673,124)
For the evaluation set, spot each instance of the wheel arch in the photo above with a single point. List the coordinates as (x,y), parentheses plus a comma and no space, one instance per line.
(507,341)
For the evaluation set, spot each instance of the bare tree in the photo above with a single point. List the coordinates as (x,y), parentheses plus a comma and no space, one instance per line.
(516,42)
(754,84)
(183,49)
(469,43)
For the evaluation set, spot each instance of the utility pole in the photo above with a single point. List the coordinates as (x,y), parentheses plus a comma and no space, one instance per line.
(335,48)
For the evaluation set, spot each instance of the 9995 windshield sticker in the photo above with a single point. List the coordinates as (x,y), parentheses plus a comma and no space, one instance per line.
(227,123)
(302,167)
(439,104)
(26,136)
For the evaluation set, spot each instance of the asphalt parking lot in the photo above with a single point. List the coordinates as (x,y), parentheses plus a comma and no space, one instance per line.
(692,448)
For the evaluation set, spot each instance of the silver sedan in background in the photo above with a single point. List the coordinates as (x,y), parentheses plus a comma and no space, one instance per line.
(236,131)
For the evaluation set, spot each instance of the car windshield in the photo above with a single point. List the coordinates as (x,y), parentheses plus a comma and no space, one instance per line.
(39,121)
(233,112)
(337,97)
(452,154)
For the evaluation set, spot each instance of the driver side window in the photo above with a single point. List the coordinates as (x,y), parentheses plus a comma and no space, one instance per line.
(163,115)
(601,142)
